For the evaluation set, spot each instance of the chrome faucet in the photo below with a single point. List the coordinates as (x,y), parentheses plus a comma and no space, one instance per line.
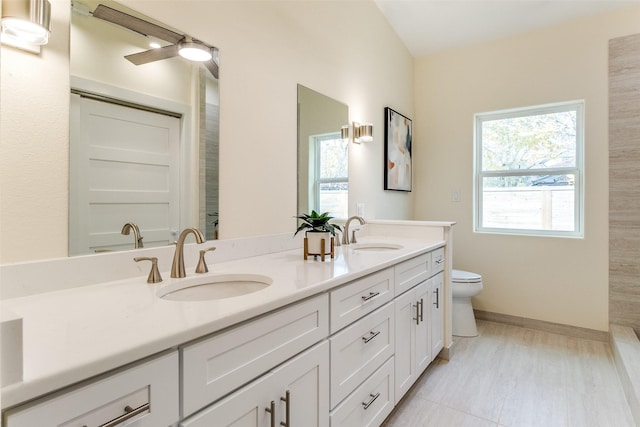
(345,233)
(177,268)
(126,229)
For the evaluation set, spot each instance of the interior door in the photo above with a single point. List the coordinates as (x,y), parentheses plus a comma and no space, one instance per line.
(124,167)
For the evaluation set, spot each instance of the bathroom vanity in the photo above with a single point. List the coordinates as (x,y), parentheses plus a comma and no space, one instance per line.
(325,343)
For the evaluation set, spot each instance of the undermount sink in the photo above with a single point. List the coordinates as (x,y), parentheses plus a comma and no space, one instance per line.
(381,246)
(210,287)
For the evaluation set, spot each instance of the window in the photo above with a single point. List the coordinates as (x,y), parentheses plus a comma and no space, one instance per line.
(529,170)
(328,173)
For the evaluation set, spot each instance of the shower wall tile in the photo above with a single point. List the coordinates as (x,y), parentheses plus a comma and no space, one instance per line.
(624,181)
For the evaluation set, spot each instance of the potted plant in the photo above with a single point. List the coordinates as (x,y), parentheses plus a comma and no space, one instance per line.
(319,233)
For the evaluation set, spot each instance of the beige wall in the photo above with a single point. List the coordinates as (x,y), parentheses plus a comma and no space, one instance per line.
(345,50)
(552,279)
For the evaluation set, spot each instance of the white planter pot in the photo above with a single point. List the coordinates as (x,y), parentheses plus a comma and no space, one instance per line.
(314,239)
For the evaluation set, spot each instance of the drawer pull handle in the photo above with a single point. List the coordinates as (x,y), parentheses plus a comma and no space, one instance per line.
(129,413)
(421,304)
(272,410)
(287,409)
(439,261)
(371,295)
(370,337)
(370,402)
(437,292)
(417,318)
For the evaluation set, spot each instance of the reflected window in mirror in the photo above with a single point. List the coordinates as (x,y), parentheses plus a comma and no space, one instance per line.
(323,157)
(328,174)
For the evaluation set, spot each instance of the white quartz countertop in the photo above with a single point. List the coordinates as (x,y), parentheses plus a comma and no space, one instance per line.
(74,334)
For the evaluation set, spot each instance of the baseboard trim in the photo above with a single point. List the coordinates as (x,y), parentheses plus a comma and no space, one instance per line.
(541,325)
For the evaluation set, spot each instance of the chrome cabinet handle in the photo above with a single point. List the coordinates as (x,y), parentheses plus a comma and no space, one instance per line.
(417,318)
(371,295)
(129,413)
(272,410)
(370,402)
(287,409)
(439,261)
(370,337)
(437,292)
(421,304)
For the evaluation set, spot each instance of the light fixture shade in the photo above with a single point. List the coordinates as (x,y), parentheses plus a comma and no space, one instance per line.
(344,132)
(194,51)
(27,21)
(362,132)
(366,132)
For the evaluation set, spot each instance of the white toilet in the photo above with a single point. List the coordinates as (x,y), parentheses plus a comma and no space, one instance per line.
(464,285)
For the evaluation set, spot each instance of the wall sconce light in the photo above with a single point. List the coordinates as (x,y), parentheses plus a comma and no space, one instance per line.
(26,24)
(362,132)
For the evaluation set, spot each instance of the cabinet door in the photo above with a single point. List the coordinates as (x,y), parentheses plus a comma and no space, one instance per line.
(423,328)
(302,389)
(412,349)
(246,407)
(437,314)
(406,315)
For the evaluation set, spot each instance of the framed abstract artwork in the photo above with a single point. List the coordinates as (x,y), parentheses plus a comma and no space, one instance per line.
(397,151)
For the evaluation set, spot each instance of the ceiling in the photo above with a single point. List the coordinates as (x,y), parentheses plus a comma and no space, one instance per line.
(429,26)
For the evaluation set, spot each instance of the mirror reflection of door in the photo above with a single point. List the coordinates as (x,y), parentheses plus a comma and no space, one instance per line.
(124,169)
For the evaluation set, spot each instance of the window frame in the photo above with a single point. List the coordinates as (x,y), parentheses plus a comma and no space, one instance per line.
(577,171)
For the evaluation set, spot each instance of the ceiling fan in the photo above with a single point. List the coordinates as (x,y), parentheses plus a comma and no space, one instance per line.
(181,44)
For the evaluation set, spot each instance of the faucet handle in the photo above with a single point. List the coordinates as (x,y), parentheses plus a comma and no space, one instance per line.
(353,235)
(154,274)
(202,264)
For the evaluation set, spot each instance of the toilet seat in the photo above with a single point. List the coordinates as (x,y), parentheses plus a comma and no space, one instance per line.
(459,276)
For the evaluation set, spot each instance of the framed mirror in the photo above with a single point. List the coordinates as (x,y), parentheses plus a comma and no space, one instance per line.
(143,133)
(323,156)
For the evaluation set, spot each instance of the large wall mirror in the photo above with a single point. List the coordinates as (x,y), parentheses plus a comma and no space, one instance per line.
(323,156)
(143,138)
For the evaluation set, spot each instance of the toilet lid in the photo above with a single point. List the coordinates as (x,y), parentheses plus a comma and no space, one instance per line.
(460,276)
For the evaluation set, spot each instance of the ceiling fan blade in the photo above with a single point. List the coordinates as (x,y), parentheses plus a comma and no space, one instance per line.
(152,55)
(212,67)
(136,24)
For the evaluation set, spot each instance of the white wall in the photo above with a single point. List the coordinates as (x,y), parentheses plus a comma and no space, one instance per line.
(552,279)
(345,50)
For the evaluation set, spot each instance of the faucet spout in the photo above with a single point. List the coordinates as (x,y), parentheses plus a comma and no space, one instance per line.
(177,268)
(345,233)
(131,226)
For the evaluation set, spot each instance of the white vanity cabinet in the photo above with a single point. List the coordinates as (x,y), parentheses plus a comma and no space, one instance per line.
(419,317)
(293,394)
(145,395)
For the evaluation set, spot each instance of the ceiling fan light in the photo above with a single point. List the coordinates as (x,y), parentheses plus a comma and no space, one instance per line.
(195,51)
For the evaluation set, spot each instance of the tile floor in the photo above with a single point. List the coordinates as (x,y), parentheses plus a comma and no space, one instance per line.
(515,377)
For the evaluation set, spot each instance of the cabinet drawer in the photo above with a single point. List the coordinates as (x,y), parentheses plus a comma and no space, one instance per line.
(411,272)
(370,404)
(359,350)
(149,391)
(360,297)
(437,258)
(214,367)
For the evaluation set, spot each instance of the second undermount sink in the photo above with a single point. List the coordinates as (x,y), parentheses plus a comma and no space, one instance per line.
(380,246)
(217,286)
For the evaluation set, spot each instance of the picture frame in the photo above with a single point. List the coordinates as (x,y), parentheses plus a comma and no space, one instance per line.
(398,139)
